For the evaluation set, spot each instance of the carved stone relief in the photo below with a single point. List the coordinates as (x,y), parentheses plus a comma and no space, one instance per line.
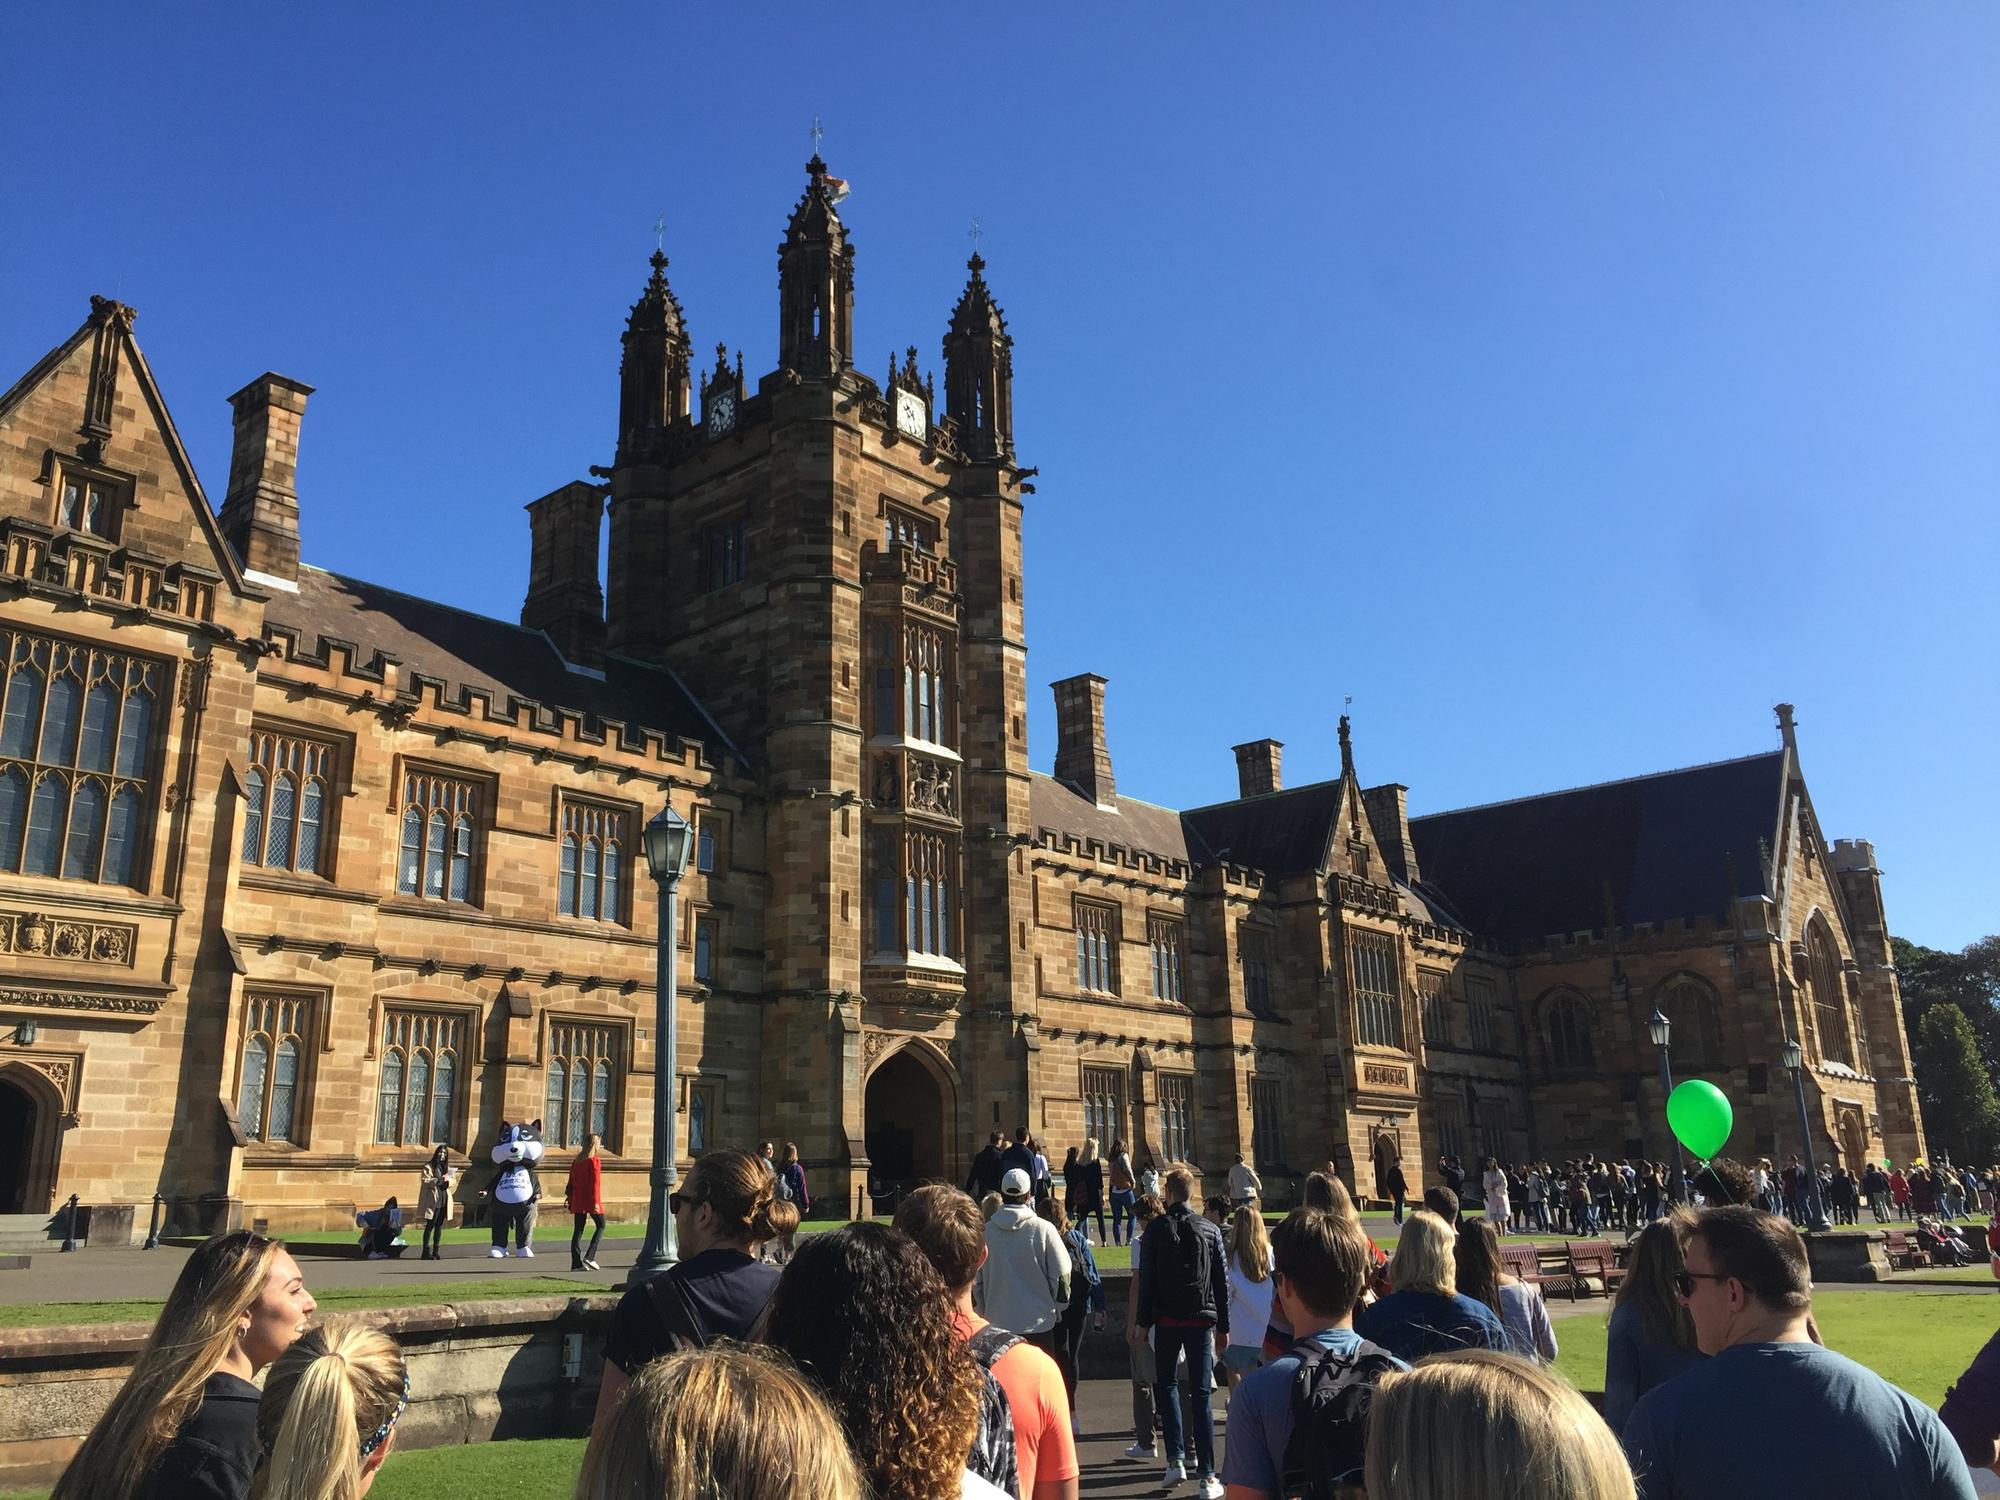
(931,788)
(39,935)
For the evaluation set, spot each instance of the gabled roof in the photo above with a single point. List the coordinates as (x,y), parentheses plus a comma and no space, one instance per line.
(1644,850)
(465,650)
(1280,833)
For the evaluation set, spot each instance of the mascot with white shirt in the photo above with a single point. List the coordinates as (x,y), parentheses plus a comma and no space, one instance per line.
(514,1190)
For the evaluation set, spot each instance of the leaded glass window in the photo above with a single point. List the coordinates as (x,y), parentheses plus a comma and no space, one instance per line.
(440,821)
(276,1030)
(75,757)
(417,1104)
(1177,1116)
(1096,948)
(286,793)
(1378,996)
(582,1074)
(594,841)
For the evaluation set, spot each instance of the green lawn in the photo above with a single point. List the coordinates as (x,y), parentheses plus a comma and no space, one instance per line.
(549,1230)
(338,1299)
(1917,1341)
(543,1469)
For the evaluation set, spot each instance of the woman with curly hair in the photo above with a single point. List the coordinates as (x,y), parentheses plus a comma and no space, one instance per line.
(864,1316)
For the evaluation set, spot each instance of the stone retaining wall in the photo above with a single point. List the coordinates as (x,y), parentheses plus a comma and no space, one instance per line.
(512,1368)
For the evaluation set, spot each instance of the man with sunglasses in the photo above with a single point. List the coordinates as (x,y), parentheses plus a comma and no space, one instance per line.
(1772,1412)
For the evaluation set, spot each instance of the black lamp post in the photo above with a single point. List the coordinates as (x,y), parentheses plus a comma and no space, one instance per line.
(668,843)
(1795,1064)
(1662,1031)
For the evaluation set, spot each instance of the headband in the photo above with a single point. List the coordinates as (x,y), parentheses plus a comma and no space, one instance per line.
(380,1435)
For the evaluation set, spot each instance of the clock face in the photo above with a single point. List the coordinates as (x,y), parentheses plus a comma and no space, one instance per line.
(912,420)
(721,415)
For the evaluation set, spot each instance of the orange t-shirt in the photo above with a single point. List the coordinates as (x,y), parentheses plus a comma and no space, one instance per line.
(1044,1447)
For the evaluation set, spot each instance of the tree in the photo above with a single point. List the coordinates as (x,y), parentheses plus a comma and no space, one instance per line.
(1969,980)
(1955,1087)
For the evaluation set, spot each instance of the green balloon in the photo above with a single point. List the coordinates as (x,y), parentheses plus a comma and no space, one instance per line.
(1700,1116)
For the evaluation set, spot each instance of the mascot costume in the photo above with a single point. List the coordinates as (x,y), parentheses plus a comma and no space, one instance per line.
(515,1189)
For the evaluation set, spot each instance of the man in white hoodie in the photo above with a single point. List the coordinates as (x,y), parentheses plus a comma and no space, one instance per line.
(1024,1285)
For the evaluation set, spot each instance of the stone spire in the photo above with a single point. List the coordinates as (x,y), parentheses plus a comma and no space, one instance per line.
(816,283)
(979,371)
(653,376)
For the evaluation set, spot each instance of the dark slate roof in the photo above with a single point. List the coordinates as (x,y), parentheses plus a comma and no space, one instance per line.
(1658,845)
(504,661)
(1280,833)
(1134,825)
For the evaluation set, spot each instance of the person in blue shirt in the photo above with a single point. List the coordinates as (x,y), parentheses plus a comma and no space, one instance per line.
(1771,1412)
(1323,1263)
(1651,1338)
(1424,1312)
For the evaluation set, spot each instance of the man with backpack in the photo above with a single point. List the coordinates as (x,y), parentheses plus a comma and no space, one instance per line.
(1183,1297)
(1298,1427)
(947,1227)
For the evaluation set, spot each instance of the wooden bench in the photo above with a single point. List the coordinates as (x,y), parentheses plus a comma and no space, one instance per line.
(1525,1261)
(1904,1253)
(1593,1258)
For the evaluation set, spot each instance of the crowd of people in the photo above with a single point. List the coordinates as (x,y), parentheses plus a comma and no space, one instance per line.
(938,1355)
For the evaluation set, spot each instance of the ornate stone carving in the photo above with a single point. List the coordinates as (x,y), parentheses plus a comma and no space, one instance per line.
(1385,1075)
(124,1005)
(886,788)
(931,788)
(36,934)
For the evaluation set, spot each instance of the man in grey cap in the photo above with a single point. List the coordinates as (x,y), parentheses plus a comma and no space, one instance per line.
(1024,1285)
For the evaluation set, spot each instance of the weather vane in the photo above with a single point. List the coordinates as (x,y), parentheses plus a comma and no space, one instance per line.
(660,232)
(817,133)
(973,234)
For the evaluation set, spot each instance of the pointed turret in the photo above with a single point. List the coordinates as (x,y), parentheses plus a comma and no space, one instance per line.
(653,376)
(979,371)
(816,283)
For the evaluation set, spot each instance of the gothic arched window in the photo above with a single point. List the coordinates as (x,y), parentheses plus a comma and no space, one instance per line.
(1829,995)
(1697,1023)
(1566,1025)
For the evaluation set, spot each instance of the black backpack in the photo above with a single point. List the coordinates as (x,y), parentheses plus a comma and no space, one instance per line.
(994,1456)
(1330,1397)
(1181,1284)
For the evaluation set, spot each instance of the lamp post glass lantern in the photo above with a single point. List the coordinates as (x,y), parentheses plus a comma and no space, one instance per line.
(1662,1031)
(668,841)
(1794,1057)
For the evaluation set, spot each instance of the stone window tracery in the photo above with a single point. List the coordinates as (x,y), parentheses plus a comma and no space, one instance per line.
(273,1085)
(582,1076)
(440,835)
(416,1098)
(75,758)
(590,881)
(1378,1001)
(287,795)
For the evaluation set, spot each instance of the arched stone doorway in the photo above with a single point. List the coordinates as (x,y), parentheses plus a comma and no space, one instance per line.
(907,1113)
(1854,1141)
(30,1126)
(1388,1151)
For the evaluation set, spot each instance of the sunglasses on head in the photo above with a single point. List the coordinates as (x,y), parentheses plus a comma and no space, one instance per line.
(1684,1280)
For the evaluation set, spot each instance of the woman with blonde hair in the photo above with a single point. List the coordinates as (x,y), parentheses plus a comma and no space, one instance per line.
(1485,1426)
(866,1318)
(1088,1186)
(1651,1336)
(724,1420)
(329,1413)
(1425,1313)
(185,1421)
(1250,1266)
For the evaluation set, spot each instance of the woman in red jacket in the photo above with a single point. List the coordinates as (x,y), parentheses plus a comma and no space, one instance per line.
(585,1197)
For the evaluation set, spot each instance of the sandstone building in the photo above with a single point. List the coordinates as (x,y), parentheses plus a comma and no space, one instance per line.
(300,875)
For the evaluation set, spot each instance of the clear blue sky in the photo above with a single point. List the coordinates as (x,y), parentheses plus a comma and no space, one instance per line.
(1568,383)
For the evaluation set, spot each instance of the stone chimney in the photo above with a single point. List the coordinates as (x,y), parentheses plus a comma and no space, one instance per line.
(1082,760)
(1257,768)
(1388,809)
(260,514)
(564,595)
